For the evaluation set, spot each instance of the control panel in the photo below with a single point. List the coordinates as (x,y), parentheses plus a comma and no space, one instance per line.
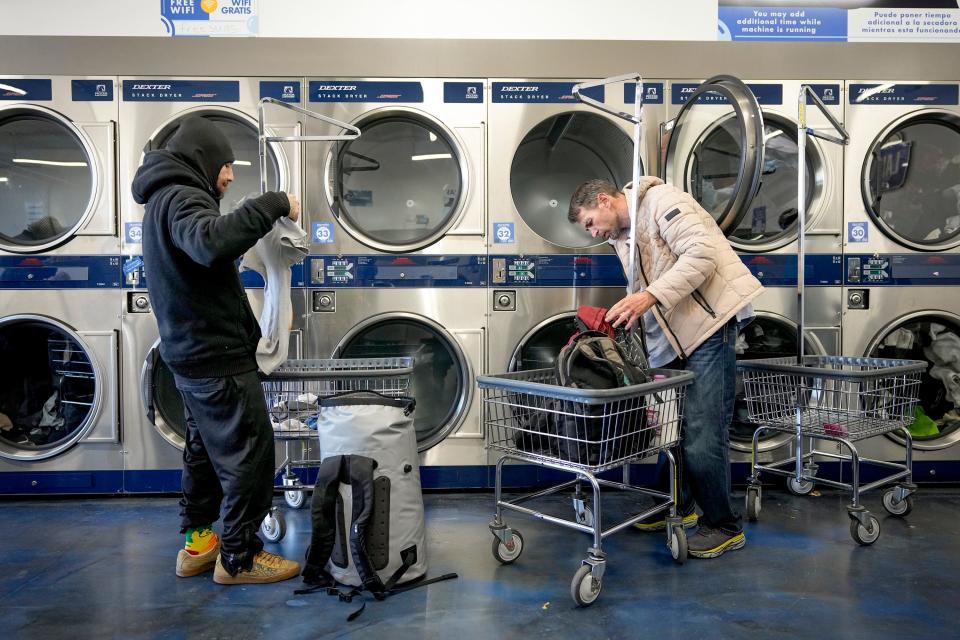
(397,271)
(557,271)
(903,269)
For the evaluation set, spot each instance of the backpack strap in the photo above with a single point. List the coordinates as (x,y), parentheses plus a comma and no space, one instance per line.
(323,515)
(360,470)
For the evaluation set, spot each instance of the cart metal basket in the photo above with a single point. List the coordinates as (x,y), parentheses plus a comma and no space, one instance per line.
(839,399)
(292,393)
(530,418)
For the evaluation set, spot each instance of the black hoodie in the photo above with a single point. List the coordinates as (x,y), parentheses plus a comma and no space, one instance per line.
(207,328)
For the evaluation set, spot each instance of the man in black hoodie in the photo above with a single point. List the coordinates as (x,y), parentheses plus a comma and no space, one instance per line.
(209,339)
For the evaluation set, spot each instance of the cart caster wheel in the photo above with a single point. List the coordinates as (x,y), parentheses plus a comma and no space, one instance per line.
(754,504)
(273,526)
(584,589)
(678,544)
(295,499)
(801,487)
(865,535)
(585,518)
(894,508)
(506,553)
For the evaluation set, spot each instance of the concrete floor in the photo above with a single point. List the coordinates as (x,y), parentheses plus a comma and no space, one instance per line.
(104,568)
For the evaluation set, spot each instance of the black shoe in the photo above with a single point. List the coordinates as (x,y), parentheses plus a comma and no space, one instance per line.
(710,543)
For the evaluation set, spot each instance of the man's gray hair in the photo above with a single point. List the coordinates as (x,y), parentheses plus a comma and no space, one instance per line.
(586,196)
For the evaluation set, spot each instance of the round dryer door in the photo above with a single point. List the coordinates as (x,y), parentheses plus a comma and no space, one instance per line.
(767,336)
(556,157)
(442,379)
(722,167)
(50,388)
(935,338)
(542,344)
(242,134)
(770,221)
(48,179)
(911,181)
(161,399)
(399,186)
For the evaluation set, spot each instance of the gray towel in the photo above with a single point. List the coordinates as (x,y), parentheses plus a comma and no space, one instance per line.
(271,257)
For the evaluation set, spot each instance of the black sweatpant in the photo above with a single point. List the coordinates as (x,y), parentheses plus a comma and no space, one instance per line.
(228,459)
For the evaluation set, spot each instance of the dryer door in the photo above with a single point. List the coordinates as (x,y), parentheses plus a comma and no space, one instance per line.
(161,399)
(721,168)
(241,131)
(56,179)
(767,336)
(402,184)
(911,181)
(933,336)
(442,374)
(539,348)
(56,387)
(557,156)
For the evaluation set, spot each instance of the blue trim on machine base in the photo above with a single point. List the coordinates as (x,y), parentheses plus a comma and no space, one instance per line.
(57,482)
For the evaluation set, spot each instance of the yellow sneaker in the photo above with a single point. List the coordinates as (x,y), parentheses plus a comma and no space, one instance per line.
(189,564)
(267,567)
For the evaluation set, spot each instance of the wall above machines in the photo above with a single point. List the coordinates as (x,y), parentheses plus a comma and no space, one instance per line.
(476,58)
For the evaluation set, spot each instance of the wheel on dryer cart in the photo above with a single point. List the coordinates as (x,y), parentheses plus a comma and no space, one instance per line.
(274,526)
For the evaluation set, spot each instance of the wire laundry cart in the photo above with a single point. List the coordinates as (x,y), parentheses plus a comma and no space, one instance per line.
(292,394)
(837,399)
(530,418)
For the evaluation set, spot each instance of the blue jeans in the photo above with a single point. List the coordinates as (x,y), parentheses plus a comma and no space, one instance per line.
(704,451)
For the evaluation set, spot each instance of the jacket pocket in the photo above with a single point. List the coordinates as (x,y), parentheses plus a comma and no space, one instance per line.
(698,297)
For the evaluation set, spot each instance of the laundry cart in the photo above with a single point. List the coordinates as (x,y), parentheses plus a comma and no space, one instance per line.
(293,393)
(836,399)
(530,418)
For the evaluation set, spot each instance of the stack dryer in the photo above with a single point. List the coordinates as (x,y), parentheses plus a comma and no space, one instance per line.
(150,112)
(398,265)
(545,143)
(902,271)
(59,286)
(704,151)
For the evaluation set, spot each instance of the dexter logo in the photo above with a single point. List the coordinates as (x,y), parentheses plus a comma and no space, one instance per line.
(337,87)
(875,91)
(151,87)
(513,89)
(687,89)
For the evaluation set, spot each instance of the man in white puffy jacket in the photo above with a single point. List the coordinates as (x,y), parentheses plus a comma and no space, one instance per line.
(693,293)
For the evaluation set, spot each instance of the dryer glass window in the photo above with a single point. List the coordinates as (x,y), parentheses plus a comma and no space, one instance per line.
(913,182)
(772,215)
(540,350)
(935,340)
(438,374)
(47,389)
(246,165)
(46,180)
(169,415)
(556,157)
(764,337)
(400,183)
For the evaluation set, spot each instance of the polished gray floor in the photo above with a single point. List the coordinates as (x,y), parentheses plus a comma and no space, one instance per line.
(103,568)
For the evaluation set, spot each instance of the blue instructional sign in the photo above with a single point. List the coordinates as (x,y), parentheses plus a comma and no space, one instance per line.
(285,90)
(766,94)
(463,92)
(652,92)
(91,90)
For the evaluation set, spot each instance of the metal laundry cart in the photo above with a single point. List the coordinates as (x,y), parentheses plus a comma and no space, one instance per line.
(830,398)
(529,417)
(292,394)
